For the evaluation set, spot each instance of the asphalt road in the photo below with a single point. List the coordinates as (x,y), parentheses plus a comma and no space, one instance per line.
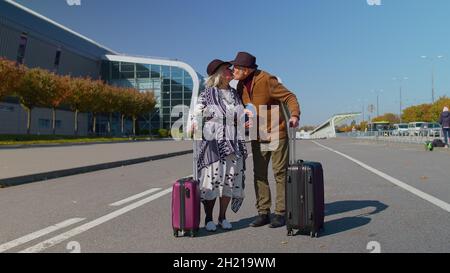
(395,196)
(32,160)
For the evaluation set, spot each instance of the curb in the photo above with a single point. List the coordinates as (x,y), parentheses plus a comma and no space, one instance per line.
(20,180)
(30,146)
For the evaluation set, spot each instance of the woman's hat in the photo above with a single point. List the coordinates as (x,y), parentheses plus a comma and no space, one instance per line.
(214,65)
(245,59)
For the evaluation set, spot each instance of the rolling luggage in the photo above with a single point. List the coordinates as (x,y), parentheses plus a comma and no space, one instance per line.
(438,143)
(305,206)
(186,203)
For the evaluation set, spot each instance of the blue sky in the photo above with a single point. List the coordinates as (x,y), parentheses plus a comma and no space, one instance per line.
(332,53)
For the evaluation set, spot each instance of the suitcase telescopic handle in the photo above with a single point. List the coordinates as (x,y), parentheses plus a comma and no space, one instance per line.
(194,163)
(291,134)
(195,156)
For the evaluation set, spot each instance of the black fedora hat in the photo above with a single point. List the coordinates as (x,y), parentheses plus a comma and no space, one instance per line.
(245,59)
(214,65)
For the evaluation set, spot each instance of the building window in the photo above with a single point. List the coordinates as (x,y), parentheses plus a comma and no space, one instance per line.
(165,71)
(156,71)
(57,59)
(44,123)
(22,47)
(6,108)
(115,70)
(177,73)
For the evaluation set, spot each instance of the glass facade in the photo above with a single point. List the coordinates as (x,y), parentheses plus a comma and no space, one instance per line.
(172,86)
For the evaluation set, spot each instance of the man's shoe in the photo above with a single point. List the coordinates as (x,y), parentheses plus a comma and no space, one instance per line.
(261,220)
(277,221)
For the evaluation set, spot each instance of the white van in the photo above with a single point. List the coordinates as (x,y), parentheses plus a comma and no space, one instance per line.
(400,129)
(414,128)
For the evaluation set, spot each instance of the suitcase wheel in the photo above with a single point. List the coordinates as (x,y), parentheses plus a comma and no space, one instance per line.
(193,233)
(175,233)
(290,232)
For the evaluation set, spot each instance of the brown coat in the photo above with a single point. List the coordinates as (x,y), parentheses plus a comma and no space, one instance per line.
(268,91)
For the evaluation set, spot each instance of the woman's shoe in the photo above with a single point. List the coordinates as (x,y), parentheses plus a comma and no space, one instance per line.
(211,227)
(225,225)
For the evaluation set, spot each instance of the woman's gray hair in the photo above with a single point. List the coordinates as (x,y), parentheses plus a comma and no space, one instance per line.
(216,79)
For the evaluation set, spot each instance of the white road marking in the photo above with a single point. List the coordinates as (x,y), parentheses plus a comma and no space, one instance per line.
(78,230)
(433,200)
(134,197)
(32,236)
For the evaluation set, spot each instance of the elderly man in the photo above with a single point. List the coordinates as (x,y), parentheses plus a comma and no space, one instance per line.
(259,88)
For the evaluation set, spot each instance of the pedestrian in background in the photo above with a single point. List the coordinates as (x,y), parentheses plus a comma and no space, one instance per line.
(444,120)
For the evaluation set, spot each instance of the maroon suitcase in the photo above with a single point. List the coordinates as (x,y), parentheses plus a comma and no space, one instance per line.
(186,204)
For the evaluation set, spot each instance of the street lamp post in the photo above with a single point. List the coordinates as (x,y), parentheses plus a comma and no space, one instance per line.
(432,73)
(400,79)
(363,108)
(378,100)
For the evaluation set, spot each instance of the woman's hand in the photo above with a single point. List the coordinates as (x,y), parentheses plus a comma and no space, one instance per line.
(248,113)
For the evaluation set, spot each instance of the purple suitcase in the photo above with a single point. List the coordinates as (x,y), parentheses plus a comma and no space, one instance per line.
(186,207)
(186,204)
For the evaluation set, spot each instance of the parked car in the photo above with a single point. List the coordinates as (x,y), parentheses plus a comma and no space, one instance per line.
(414,128)
(400,129)
(430,129)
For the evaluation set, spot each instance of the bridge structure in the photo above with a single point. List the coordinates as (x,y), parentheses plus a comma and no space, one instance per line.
(328,128)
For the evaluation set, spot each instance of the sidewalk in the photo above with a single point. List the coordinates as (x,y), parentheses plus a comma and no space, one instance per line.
(26,162)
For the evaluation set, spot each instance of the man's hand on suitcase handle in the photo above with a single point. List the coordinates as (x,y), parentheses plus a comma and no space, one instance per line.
(293,122)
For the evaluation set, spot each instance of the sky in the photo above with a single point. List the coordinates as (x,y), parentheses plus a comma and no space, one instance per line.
(336,55)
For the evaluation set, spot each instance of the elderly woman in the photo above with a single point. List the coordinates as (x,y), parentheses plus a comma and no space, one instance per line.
(221,153)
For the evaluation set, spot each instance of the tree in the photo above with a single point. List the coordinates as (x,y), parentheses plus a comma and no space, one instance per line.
(437,107)
(78,98)
(34,87)
(125,101)
(148,102)
(57,94)
(307,128)
(363,126)
(392,118)
(136,110)
(10,77)
(416,113)
(140,103)
(111,100)
(95,101)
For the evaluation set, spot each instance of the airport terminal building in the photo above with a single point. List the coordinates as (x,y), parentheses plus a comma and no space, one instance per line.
(32,39)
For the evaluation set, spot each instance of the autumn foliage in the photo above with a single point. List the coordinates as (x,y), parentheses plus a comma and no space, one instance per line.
(41,88)
(425,112)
